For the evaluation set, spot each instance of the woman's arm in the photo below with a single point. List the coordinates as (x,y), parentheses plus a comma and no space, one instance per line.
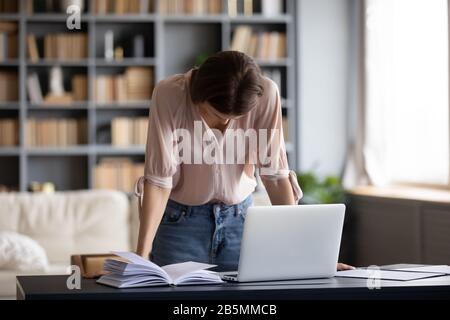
(150,215)
(279,191)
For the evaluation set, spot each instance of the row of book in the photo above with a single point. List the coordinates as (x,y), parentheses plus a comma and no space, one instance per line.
(79,91)
(123,6)
(56,132)
(129,131)
(9,132)
(8,41)
(117,174)
(135,84)
(195,7)
(52,6)
(247,7)
(60,46)
(9,6)
(9,90)
(260,45)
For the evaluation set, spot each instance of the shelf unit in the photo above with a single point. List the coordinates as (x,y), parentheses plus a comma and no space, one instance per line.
(175,41)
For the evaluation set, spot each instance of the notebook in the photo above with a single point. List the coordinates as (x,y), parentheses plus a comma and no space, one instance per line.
(139,272)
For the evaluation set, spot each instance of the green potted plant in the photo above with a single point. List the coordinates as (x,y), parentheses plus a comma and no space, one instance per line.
(320,191)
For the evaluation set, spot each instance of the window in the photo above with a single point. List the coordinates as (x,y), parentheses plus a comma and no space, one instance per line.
(407,91)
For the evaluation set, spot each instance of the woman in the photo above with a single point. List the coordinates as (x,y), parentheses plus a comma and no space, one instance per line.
(192,202)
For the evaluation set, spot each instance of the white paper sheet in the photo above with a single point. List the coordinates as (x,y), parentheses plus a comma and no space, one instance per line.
(433,269)
(386,274)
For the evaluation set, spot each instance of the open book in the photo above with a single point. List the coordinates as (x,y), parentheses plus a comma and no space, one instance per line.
(139,272)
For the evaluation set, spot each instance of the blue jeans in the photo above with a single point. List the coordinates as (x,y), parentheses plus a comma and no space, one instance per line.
(209,233)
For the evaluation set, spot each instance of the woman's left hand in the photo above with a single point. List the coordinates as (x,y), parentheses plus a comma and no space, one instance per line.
(343,266)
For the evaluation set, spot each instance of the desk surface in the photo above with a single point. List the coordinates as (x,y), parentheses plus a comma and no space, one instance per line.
(54,287)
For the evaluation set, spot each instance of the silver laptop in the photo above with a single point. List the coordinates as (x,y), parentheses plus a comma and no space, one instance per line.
(289,242)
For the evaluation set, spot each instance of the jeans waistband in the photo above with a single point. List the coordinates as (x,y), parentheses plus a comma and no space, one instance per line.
(211,206)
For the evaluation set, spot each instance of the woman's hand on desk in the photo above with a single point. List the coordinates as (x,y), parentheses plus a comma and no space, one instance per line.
(343,266)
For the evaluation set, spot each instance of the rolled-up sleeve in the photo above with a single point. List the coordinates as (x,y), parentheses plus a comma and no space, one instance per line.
(160,163)
(272,158)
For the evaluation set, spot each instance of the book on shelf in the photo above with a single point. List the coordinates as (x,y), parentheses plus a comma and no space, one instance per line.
(55,132)
(117,174)
(32,48)
(34,89)
(120,7)
(8,41)
(80,87)
(129,131)
(9,86)
(190,7)
(136,271)
(262,45)
(9,132)
(9,6)
(135,84)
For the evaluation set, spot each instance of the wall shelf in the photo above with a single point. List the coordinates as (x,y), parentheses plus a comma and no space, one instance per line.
(173,43)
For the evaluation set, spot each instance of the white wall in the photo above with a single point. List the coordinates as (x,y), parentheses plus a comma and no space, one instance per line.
(324,35)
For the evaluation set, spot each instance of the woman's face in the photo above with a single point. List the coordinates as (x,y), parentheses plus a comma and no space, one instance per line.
(210,114)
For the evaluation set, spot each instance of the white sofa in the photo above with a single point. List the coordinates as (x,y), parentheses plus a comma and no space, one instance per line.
(68,223)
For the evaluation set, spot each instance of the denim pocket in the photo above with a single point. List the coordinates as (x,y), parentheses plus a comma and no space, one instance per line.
(173,215)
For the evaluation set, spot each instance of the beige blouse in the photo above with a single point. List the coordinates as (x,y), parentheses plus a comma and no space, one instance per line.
(196,181)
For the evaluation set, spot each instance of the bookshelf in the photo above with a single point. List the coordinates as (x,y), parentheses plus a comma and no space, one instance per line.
(172,44)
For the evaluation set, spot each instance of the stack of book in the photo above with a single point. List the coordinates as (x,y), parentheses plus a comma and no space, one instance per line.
(9,6)
(261,45)
(9,90)
(139,82)
(59,46)
(117,174)
(9,132)
(8,40)
(56,132)
(123,6)
(129,131)
(195,7)
(136,84)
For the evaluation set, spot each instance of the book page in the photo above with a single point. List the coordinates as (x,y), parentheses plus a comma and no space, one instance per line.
(178,270)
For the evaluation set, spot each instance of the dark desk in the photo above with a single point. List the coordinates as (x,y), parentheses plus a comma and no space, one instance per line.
(54,287)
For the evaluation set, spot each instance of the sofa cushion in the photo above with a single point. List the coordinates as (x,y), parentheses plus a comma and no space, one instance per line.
(67,223)
(19,252)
